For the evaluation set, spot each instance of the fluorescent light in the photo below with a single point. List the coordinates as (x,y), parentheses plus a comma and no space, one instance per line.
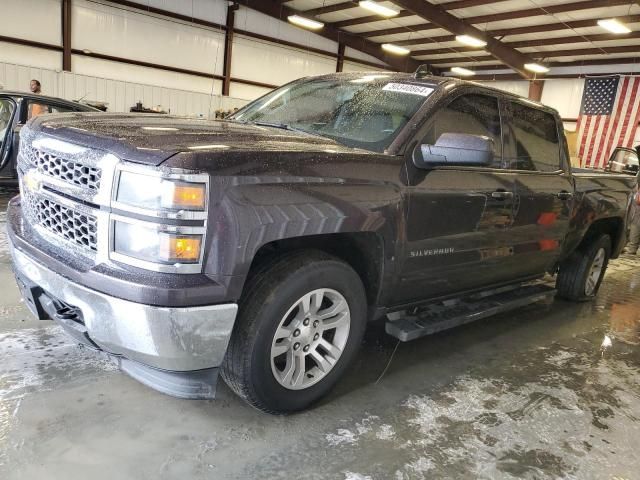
(536,67)
(391,48)
(378,9)
(614,26)
(471,41)
(305,22)
(162,129)
(462,71)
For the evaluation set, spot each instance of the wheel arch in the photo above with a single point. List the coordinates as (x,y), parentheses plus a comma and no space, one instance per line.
(363,251)
(612,226)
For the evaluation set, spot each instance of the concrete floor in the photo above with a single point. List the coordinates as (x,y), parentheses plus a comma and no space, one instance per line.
(529,394)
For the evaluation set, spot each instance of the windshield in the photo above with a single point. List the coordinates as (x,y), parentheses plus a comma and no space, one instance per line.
(6,112)
(364,112)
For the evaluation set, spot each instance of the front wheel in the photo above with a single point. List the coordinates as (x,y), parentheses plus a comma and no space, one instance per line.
(298,328)
(581,274)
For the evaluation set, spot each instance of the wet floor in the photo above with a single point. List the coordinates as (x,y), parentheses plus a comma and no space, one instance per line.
(529,394)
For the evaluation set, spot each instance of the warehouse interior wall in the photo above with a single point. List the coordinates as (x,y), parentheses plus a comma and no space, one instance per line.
(99,28)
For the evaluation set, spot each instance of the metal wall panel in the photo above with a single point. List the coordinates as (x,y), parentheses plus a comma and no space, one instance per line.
(269,63)
(19,54)
(149,76)
(357,67)
(37,20)
(353,53)
(565,95)
(250,20)
(247,92)
(118,94)
(17,77)
(210,10)
(124,33)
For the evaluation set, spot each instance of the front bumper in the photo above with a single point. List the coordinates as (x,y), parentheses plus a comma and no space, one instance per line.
(168,339)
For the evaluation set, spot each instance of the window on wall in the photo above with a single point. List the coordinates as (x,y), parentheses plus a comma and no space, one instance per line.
(535,135)
(472,114)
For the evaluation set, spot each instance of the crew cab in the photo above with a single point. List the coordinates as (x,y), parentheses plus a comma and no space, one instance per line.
(15,110)
(260,246)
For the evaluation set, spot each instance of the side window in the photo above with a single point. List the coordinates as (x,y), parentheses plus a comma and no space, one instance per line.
(472,114)
(6,114)
(536,143)
(40,108)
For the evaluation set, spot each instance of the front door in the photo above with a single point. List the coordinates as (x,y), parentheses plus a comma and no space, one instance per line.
(458,219)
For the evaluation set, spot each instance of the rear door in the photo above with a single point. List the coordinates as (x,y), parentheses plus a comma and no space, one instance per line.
(534,150)
(458,218)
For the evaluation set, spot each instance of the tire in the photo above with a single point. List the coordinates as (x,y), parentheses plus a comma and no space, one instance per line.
(273,305)
(577,280)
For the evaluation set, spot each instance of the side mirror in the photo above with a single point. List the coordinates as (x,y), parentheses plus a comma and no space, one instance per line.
(456,149)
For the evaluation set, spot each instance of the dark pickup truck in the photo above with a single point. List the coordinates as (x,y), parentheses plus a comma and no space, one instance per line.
(258,247)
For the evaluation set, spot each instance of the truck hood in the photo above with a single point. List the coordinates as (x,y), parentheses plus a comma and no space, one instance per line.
(152,139)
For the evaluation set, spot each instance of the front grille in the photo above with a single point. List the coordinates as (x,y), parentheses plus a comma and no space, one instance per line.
(63,222)
(62,168)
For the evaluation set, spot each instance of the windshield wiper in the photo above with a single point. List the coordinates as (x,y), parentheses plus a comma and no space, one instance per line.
(282,126)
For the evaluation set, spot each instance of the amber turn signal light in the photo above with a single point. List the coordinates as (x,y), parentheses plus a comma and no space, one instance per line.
(189,195)
(182,248)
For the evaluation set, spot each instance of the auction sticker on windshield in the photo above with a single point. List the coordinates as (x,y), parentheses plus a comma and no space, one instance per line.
(408,88)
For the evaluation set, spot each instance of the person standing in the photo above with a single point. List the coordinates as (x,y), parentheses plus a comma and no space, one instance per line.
(36,109)
(634,226)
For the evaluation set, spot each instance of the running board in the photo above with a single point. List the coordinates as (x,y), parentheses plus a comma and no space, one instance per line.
(449,314)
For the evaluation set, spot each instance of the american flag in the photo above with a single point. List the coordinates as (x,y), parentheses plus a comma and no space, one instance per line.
(608,118)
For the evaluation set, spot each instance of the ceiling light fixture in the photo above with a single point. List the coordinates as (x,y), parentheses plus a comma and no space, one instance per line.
(378,9)
(471,41)
(462,71)
(391,48)
(614,26)
(536,67)
(305,22)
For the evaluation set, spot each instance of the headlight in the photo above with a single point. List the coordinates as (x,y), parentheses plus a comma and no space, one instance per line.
(158,193)
(155,245)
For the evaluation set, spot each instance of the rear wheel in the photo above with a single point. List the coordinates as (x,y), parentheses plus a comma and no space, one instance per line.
(581,274)
(299,326)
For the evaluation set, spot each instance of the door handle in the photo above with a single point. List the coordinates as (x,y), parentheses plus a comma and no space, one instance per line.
(501,194)
(563,195)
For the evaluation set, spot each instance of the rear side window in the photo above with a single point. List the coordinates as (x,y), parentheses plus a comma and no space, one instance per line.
(472,114)
(535,135)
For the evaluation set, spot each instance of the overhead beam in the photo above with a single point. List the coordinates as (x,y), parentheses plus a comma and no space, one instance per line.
(406,13)
(338,7)
(509,56)
(496,17)
(281,12)
(574,52)
(533,43)
(573,63)
(547,27)
(66,35)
